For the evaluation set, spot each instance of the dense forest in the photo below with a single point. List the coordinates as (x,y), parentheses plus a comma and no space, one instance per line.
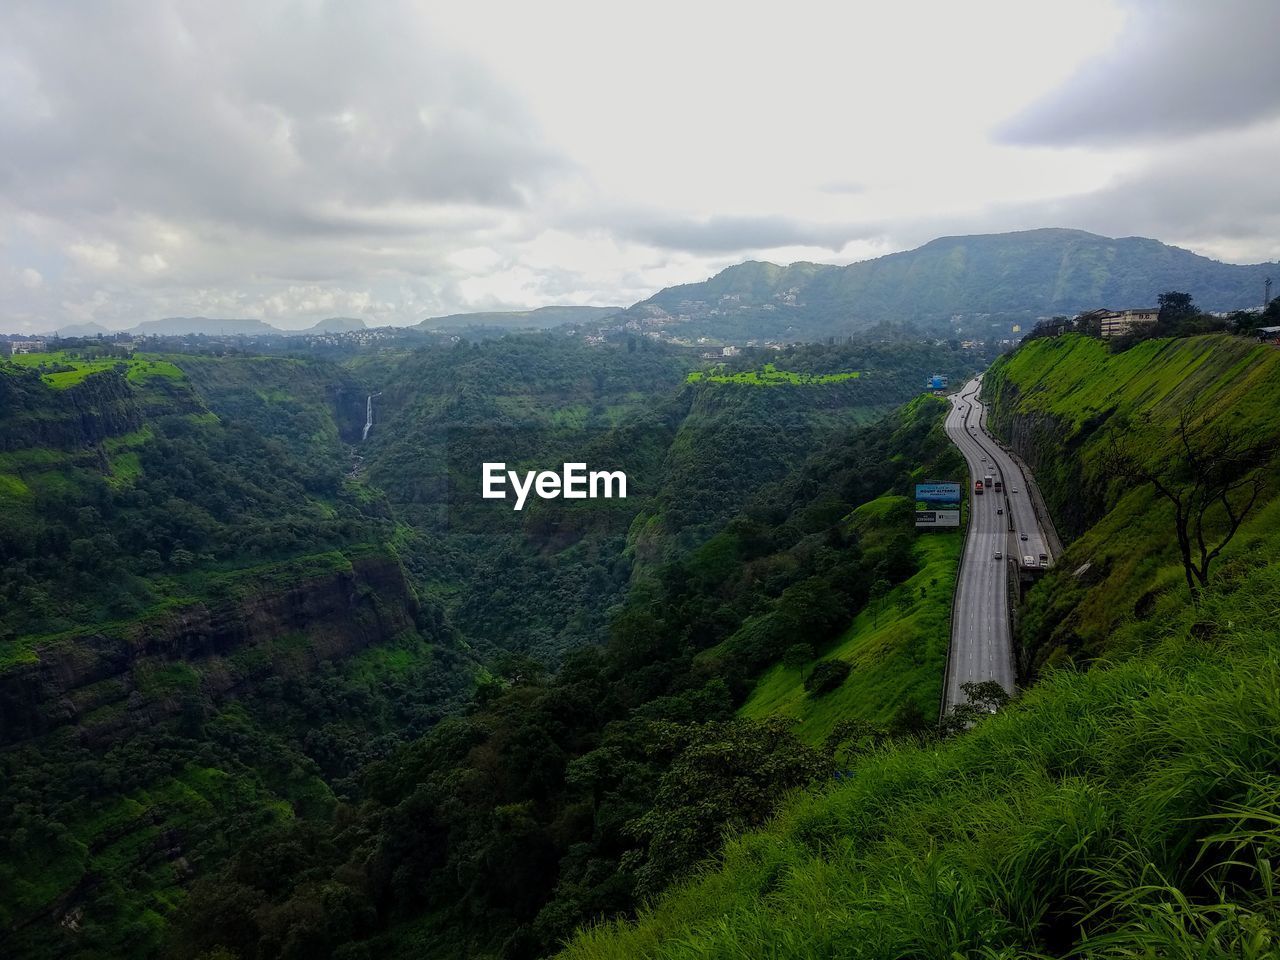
(247,656)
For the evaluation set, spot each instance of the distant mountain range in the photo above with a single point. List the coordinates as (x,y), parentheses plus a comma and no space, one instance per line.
(985,282)
(1006,276)
(192,326)
(520,319)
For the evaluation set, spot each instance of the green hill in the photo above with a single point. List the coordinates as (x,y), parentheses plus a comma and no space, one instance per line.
(1129,809)
(1007,276)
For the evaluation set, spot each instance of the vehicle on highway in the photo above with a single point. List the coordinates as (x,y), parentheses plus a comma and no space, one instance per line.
(999,485)
(1014,490)
(999,555)
(1044,559)
(988,480)
(977,488)
(1029,560)
(999,511)
(1022,536)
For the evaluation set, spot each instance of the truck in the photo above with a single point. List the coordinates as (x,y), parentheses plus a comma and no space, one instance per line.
(999,485)
(977,488)
(988,481)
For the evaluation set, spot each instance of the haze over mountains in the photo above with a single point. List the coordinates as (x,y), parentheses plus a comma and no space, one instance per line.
(1007,276)
(553,316)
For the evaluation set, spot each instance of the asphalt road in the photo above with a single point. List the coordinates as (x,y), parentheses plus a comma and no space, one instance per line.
(981,642)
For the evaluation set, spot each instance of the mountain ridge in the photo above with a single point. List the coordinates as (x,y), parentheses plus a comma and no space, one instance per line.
(1015,276)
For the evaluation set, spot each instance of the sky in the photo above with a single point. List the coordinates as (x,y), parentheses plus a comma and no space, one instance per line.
(394,161)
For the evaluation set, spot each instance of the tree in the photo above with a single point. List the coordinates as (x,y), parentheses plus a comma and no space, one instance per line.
(982,698)
(729,777)
(1178,311)
(1212,478)
(879,590)
(826,676)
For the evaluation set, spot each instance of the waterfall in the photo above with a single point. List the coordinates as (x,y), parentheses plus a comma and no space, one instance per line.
(368,418)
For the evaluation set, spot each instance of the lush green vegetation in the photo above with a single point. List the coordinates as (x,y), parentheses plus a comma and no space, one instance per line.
(897,645)
(61,369)
(1064,399)
(1127,810)
(553,800)
(770,376)
(231,629)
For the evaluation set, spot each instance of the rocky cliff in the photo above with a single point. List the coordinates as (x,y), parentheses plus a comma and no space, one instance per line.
(109,681)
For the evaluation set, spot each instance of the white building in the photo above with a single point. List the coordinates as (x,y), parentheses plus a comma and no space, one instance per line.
(1121,323)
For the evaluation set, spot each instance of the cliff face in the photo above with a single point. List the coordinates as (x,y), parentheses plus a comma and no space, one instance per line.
(106,683)
(1053,447)
(101,406)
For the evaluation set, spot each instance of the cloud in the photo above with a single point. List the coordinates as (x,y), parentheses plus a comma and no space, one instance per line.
(1178,68)
(732,233)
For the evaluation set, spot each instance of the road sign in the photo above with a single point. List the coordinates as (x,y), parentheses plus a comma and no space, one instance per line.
(937,518)
(937,493)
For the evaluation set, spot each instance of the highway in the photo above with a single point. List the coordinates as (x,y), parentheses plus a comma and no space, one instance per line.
(981,642)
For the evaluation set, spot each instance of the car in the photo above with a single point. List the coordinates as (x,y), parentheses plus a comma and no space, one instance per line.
(1022,536)
(1029,560)
(1044,559)
(999,556)
(999,511)
(1014,490)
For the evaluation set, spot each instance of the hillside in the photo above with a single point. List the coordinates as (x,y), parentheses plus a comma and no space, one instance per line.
(229,621)
(1059,402)
(538,319)
(1126,808)
(1010,277)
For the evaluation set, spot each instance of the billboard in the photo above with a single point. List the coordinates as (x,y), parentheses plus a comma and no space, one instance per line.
(937,492)
(937,518)
(936,382)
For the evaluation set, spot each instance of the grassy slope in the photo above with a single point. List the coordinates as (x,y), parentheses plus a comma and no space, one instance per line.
(897,648)
(1090,814)
(140,367)
(1136,580)
(770,376)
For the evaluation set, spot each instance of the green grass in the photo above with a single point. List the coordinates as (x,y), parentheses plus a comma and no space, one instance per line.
(138,368)
(1128,810)
(770,376)
(1073,392)
(1104,789)
(897,648)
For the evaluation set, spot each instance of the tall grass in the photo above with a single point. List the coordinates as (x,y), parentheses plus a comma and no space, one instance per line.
(1130,811)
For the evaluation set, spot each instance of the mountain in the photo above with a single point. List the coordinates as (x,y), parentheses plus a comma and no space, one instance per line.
(1008,276)
(329,325)
(84,330)
(540,318)
(190,326)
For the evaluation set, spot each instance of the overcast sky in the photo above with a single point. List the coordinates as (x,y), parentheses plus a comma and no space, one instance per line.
(393,161)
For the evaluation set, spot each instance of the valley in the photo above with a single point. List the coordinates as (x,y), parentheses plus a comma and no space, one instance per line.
(482,730)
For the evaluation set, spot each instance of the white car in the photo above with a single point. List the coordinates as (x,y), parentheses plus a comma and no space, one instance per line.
(1029,560)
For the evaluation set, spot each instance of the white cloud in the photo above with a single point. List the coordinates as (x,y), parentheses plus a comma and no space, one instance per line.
(395,160)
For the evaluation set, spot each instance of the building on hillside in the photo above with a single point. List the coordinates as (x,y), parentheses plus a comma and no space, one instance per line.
(1121,323)
(729,351)
(25,346)
(1268,334)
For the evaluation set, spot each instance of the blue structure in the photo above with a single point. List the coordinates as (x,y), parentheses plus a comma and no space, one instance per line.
(936,382)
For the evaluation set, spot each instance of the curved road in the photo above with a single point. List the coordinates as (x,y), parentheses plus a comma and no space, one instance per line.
(981,642)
